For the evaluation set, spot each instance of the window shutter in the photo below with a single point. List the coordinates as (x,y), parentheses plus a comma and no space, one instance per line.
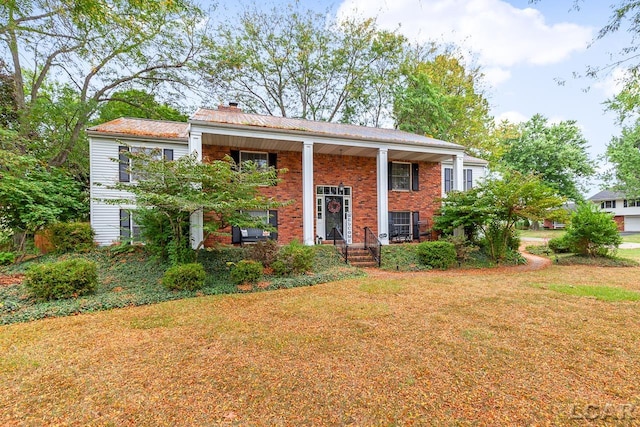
(415,219)
(168,154)
(625,203)
(469,179)
(273,162)
(389,176)
(448,178)
(235,234)
(415,177)
(123,164)
(273,221)
(613,204)
(125,224)
(235,155)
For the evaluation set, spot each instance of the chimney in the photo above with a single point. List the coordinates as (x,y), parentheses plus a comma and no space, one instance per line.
(233,106)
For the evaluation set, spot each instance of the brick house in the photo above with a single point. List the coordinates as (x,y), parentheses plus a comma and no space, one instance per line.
(343,176)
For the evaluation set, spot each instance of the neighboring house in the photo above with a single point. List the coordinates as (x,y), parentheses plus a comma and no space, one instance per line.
(569,207)
(626,212)
(343,176)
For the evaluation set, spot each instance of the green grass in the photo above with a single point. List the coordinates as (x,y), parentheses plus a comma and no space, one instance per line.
(633,238)
(630,253)
(603,293)
(541,234)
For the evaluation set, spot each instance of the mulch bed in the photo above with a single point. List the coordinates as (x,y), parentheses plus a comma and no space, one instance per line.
(11,279)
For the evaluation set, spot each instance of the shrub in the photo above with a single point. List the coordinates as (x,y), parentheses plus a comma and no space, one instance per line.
(63,279)
(592,232)
(296,257)
(560,245)
(71,237)
(264,251)
(185,277)
(464,248)
(439,254)
(279,268)
(7,258)
(246,271)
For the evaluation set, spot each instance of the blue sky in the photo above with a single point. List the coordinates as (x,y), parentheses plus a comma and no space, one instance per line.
(524,49)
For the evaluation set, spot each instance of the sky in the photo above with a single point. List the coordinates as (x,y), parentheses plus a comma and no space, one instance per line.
(528,51)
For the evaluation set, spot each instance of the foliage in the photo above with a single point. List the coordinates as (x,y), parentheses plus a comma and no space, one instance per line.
(401,258)
(185,277)
(438,254)
(495,206)
(560,245)
(295,257)
(557,153)
(463,247)
(246,272)
(33,196)
(607,261)
(98,47)
(137,103)
(264,251)
(623,154)
(292,62)
(179,188)
(442,98)
(7,258)
(71,236)
(592,231)
(62,279)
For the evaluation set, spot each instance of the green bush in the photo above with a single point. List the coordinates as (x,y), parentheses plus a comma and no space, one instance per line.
(464,248)
(71,237)
(296,257)
(592,232)
(62,279)
(7,258)
(438,254)
(185,277)
(560,245)
(264,251)
(246,271)
(279,268)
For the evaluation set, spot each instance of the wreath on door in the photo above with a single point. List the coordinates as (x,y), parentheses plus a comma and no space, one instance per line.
(334,206)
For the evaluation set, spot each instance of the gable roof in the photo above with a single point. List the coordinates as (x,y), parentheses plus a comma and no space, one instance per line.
(606,195)
(237,118)
(126,126)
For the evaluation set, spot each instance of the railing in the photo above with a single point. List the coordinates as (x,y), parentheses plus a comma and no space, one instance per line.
(341,244)
(372,243)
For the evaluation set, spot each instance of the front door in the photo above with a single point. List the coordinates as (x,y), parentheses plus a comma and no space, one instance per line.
(334,216)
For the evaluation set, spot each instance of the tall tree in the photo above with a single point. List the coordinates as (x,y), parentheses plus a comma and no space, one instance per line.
(291,62)
(443,99)
(140,104)
(623,153)
(94,47)
(555,152)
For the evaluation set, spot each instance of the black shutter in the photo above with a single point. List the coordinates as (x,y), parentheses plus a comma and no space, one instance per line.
(273,162)
(235,155)
(448,179)
(625,203)
(469,179)
(613,204)
(125,224)
(389,176)
(123,164)
(415,219)
(168,154)
(273,221)
(415,177)
(235,234)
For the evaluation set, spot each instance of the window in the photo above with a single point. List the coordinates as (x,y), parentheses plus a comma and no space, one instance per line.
(261,160)
(608,204)
(468,179)
(399,224)
(448,179)
(129,230)
(632,203)
(127,165)
(400,176)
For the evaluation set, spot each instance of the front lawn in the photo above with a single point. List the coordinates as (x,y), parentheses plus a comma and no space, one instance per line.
(439,348)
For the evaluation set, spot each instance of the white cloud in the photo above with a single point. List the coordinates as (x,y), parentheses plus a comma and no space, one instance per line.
(612,84)
(502,35)
(496,75)
(511,116)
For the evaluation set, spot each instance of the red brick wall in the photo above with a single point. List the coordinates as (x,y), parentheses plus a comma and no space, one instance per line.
(356,172)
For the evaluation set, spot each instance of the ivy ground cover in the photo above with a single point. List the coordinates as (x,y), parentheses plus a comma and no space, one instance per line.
(424,348)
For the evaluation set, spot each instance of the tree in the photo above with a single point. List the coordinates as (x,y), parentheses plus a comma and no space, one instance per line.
(94,48)
(496,205)
(177,189)
(623,153)
(33,196)
(556,152)
(140,104)
(292,63)
(443,99)
(591,231)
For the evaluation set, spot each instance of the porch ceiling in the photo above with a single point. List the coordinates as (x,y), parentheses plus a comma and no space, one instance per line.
(336,149)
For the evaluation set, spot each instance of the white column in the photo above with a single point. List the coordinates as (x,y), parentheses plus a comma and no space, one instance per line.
(308,201)
(458,172)
(383,196)
(197,218)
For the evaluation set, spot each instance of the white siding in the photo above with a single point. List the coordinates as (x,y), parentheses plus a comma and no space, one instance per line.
(478,174)
(105,218)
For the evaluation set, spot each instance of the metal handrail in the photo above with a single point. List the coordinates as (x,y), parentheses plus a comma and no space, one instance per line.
(341,243)
(372,243)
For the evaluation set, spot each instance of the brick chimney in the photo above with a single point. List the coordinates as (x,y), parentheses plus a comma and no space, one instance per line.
(233,106)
